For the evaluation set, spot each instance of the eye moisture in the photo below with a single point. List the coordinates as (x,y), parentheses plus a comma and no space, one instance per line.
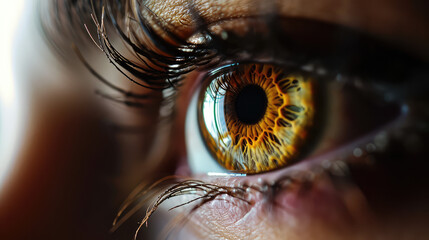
(256,118)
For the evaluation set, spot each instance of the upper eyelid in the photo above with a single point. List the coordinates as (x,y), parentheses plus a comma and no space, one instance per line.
(401,23)
(174,67)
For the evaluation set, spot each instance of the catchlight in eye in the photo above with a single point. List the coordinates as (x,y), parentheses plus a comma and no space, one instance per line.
(256,117)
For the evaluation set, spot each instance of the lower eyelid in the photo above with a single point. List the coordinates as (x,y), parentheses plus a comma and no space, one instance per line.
(272,176)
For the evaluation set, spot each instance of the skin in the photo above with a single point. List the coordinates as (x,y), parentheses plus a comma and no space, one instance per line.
(67,164)
(363,15)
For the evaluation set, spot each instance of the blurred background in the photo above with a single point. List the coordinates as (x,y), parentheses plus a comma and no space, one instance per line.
(57,165)
(11,108)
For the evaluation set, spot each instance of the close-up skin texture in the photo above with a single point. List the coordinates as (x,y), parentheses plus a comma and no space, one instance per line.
(206,119)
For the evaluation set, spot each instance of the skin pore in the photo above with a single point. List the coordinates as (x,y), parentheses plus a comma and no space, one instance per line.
(79,172)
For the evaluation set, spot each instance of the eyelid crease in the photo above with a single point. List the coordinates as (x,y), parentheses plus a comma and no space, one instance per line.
(159,71)
(354,14)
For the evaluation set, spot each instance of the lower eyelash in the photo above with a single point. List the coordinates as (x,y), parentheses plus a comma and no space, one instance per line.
(205,192)
(164,189)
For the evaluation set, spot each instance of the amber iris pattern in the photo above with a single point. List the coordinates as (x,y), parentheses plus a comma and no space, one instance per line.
(256,117)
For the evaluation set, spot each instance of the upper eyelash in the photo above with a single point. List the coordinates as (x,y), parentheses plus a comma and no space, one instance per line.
(156,68)
(167,71)
(159,68)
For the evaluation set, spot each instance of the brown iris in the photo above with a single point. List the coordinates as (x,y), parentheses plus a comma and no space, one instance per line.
(256,117)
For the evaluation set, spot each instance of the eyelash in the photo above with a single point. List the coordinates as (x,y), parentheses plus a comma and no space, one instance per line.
(175,186)
(188,57)
(153,70)
(167,71)
(158,72)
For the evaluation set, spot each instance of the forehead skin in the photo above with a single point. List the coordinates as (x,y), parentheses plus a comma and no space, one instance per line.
(401,22)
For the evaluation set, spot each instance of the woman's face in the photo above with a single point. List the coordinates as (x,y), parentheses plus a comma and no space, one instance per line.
(239,119)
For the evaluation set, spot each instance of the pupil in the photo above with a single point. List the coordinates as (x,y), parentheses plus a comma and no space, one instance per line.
(251,104)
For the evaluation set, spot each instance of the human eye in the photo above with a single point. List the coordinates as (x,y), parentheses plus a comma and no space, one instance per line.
(347,79)
(338,114)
